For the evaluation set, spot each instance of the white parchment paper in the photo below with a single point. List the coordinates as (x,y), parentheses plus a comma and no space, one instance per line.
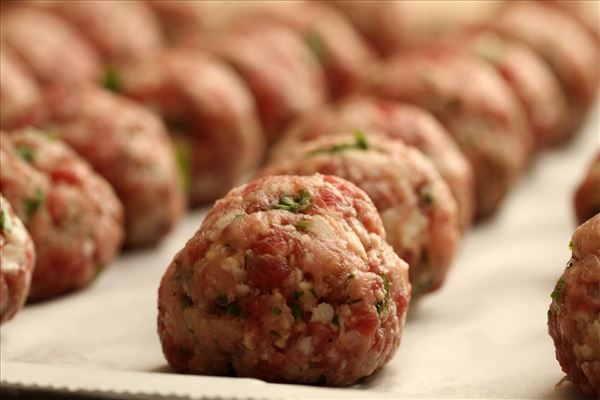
(483,335)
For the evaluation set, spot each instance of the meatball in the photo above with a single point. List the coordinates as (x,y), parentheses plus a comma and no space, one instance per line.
(135,154)
(208,110)
(72,214)
(587,13)
(52,50)
(404,122)
(17,258)
(474,104)
(18,90)
(284,77)
(532,81)
(338,47)
(417,209)
(572,54)
(288,279)
(117,29)
(587,196)
(573,317)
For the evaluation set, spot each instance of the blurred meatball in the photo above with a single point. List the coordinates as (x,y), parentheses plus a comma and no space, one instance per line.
(208,110)
(17,258)
(134,154)
(18,90)
(393,26)
(284,77)
(474,104)
(72,214)
(531,80)
(573,316)
(287,279)
(117,29)
(562,43)
(338,47)
(416,207)
(404,122)
(587,196)
(586,12)
(50,49)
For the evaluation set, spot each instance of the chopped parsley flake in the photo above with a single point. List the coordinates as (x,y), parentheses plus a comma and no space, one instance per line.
(302,225)
(274,333)
(32,204)
(297,312)
(233,309)
(335,320)
(6,223)
(276,310)
(111,80)
(571,245)
(224,306)
(557,289)
(428,195)
(294,203)
(26,153)
(313,292)
(360,143)
(316,44)
(186,301)
(384,305)
(298,294)
(351,276)
(183,156)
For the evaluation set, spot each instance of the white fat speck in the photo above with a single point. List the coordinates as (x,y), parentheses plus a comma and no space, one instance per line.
(88,247)
(305,345)
(233,266)
(242,290)
(323,313)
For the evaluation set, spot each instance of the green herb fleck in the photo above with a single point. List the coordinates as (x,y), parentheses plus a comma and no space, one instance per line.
(384,305)
(571,245)
(276,310)
(380,306)
(111,80)
(274,333)
(297,312)
(183,157)
(294,203)
(32,204)
(298,294)
(428,195)
(224,306)
(302,225)
(360,143)
(6,223)
(421,287)
(335,320)
(313,292)
(222,300)
(26,153)
(233,309)
(186,301)
(557,289)
(351,276)
(316,44)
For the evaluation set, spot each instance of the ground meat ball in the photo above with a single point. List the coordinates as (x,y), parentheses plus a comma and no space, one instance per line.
(418,211)
(574,315)
(17,258)
(572,54)
(587,196)
(117,29)
(341,51)
(18,90)
(411,125)
(284,77)
(474,104)
(288,279)
(532,81)
(51,50)
(72,214)
(135,154)
(210,113)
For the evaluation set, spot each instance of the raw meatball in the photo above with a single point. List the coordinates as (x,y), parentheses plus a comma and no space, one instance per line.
(340,50)
(18,90)
(416,207)
(587,196)
(284,77)
(208,110)
(72,214)
(288,279)
(572,54)
(117,29)
(531,80)
(17,258)
(51,50)
(128,146)
(474,104)
(404,122)
(574,315)
(394,26)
